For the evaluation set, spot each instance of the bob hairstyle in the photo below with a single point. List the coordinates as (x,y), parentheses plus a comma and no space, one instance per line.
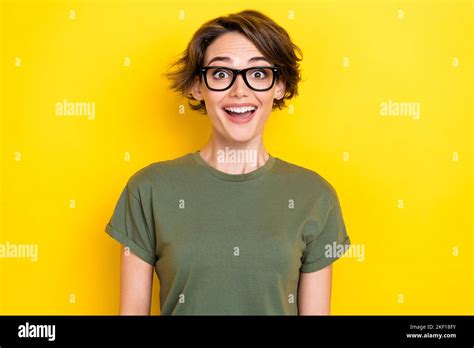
(267,36)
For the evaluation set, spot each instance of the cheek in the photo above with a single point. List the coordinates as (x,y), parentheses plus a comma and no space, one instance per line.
(267,101)
(212,99)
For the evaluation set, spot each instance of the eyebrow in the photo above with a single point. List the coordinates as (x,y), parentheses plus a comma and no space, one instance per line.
(227,59)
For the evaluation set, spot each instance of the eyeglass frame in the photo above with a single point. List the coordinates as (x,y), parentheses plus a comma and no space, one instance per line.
(236,72)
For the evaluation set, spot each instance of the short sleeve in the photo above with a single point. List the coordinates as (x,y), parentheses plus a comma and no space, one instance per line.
(325,247)
(128,225)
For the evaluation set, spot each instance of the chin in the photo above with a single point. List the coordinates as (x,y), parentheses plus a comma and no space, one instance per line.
(242,138)
(239,135)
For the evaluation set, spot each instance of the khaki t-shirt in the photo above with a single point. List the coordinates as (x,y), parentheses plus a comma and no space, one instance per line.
(229,243)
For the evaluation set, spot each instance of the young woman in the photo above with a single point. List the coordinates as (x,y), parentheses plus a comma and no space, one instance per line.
(230,229)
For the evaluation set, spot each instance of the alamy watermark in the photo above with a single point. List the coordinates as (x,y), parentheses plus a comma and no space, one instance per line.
(37,331)
(237,156)
(82,109)
(17,251)
(336,250)
(394,108)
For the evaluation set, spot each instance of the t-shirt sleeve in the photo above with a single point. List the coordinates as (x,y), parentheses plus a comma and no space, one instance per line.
(128,225)
(325,245)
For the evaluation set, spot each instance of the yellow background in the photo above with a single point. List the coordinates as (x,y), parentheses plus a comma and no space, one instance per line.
(336,129)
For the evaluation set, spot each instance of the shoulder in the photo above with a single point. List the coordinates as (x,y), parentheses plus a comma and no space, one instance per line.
(306,178)
(146,177)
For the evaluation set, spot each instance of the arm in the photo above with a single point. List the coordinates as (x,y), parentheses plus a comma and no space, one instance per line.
(136,282)
(314,292)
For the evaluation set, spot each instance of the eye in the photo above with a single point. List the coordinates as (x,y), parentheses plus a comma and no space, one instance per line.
(220,74)
(258,74)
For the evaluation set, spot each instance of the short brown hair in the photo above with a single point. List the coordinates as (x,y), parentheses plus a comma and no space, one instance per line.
(269,37)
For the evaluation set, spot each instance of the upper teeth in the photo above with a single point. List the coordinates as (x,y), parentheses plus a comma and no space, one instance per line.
(241,109)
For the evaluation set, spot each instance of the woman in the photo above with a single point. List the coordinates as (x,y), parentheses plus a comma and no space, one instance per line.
(230,229)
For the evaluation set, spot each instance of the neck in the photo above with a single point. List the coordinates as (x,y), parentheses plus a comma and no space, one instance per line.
(235,157)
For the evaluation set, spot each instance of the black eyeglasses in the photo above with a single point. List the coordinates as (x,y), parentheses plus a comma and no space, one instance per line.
(258,78)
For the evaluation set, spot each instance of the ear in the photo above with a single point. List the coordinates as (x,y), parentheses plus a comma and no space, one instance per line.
(279,90)
(196,89)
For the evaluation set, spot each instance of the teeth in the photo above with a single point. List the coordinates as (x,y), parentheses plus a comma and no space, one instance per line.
(241,110)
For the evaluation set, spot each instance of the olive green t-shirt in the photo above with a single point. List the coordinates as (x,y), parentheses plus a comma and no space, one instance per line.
(229,243)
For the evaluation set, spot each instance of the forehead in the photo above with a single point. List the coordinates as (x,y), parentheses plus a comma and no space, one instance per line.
(238,48)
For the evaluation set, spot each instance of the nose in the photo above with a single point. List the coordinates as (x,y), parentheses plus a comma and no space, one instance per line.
(239,87)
